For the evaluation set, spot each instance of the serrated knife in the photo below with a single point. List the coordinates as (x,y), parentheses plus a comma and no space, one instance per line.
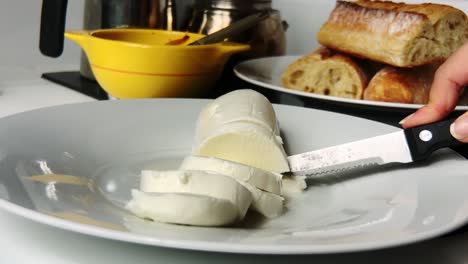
(405,146)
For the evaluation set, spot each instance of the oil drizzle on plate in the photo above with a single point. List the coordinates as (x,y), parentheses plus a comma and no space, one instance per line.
(82,219)
(61,178)
(58,178)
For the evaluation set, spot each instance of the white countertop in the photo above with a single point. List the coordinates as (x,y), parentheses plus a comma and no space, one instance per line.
(24,241)
(21,63)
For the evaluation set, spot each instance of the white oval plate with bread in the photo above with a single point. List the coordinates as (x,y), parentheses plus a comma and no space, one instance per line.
(266,72)
(78,176)
(369,53)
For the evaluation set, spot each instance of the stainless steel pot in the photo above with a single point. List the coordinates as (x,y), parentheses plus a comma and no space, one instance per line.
(100,14)
(268,38)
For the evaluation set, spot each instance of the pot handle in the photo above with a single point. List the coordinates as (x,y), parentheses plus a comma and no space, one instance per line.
(52,27)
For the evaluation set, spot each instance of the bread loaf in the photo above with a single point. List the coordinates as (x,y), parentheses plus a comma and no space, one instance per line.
(401,85)
(398,34)
(327,72)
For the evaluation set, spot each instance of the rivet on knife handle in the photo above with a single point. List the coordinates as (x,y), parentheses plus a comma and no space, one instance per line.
(425,139)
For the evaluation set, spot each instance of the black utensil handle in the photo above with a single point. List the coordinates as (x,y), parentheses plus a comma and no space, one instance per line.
(233,29)
(425,139)
(52,27)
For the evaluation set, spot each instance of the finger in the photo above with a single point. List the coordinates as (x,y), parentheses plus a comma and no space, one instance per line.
(424,115)
(459,128)
(443,99)
(446,88)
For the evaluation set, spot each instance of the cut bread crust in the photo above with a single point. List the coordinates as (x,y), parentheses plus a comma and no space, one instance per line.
(327,72)
(398,34)
(401,85)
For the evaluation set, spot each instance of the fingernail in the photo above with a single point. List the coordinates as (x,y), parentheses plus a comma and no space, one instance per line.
(459,129)
(404,119)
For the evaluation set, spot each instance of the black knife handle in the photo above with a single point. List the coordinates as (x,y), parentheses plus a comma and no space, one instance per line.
(52,27)
(425,139)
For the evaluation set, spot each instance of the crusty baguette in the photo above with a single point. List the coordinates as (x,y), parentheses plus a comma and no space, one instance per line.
(327,72)
(401,85)
(398,34)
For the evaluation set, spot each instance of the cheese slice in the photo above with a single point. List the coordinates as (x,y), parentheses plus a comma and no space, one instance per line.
(241,126)
(183,208)
(263,180)
(269,204)
(293,185)
(198,182)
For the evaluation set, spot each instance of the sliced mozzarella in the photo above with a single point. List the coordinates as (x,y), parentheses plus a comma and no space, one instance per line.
(241,126)
(259,178)
(198,182)
(268,204)
(238,106)
(293,185)
(183,208)
(246,143)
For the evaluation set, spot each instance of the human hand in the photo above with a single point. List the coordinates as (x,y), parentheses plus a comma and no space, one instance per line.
(447,87)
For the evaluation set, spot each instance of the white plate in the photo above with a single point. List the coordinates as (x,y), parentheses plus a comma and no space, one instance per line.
(104,145)
(266,72)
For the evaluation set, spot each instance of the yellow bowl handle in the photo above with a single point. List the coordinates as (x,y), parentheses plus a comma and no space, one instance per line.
(78,36)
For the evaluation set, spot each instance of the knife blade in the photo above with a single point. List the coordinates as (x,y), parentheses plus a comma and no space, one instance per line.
(404,146)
